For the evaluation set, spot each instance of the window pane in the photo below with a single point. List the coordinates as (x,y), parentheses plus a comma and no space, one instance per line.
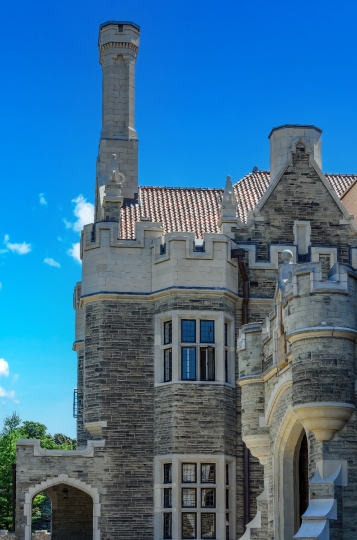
(208,498)
(188,525)
(189,472)
(208,473)
(226,334)
(167,525)
(167,473)
(167,332)
(227,526)
(227,474)
(188,364)
(226,365)
(208,525)
(188,331)
(227,499)
(207,331)
(167,365)
(207,364)
(189,498)
(168,498)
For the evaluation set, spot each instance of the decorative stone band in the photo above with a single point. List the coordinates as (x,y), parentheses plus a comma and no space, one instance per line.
(88,451)
(258,445)
(117,45)
(324,419)
(322,331)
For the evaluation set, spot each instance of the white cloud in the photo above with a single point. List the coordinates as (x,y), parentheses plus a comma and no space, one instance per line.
(75,252)
(51,262)
(4,368)
(42,199)
(7,393)
(67,224)
(84,212)
(20,249)
(15,377)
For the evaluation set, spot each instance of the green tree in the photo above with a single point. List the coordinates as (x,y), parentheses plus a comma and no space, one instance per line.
(8,437)
(13,430)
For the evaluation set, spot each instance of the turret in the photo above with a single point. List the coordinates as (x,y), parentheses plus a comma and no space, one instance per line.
(284,139)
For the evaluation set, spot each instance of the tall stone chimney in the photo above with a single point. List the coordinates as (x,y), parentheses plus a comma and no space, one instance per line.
(283,140)
(118,48)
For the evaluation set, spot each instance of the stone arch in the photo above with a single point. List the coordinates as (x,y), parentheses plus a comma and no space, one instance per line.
(285,454)
(285,381)
(62,479)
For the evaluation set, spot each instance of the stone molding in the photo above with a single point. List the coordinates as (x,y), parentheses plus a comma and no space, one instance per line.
(322,331)
(88,451)
(117,45)
(284,382)
(324,418)
(140,296)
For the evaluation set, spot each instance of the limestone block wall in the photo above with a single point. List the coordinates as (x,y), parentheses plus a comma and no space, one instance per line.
(153,262)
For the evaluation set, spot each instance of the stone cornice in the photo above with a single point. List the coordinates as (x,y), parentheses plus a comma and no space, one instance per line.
(88,451)
(150,296)
(117,45)
(322,331)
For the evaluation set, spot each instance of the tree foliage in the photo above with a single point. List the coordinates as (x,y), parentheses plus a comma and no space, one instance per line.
(13,430)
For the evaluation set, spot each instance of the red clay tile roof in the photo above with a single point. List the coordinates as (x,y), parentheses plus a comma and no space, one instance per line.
(198,209)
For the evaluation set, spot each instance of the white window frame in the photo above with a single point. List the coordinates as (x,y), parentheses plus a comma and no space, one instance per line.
(220,486)
(219,318)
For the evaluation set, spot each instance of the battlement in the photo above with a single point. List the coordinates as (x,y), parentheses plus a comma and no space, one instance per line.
(154,262)
(310,301)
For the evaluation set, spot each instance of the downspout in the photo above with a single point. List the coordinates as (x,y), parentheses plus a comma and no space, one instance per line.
(239,254)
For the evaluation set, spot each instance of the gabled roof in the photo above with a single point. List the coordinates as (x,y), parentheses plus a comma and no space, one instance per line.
(198,209)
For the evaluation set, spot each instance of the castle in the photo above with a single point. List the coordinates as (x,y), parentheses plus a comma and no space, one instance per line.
(215,336)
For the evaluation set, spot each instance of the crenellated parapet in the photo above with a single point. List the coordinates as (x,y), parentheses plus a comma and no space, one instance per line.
(152,262)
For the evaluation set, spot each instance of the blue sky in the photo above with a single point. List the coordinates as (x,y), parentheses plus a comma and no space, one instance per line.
(213,78)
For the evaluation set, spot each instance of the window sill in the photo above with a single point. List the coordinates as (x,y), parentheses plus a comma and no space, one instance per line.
(205,383)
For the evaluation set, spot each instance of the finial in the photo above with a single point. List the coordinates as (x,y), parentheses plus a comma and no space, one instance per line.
(229,203)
